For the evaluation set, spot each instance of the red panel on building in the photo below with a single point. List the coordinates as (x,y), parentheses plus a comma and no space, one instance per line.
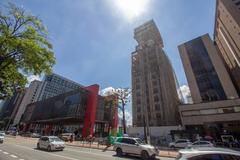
(90,114)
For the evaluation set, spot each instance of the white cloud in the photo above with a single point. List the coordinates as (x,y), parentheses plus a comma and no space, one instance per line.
(33,77)
(185,92)
(128,116)
(107,91)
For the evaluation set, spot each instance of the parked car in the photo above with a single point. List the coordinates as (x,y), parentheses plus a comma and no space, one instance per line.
(180,143)
(129,145)
(50,143)
(201,144)
(2,137)
(2,132)
(67,136)
(208,153)
(35,135)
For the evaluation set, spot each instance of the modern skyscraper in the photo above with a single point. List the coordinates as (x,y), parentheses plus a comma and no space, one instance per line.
(227,37)
(207,77)
(55,84)
(154,91)
(31,95)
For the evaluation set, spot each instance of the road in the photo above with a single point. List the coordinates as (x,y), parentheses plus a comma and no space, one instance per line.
(25,149)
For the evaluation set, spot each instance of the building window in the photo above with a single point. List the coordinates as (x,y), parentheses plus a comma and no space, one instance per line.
(157,107)
(158,116)
(138,109)
(139,117)
(156,99)
(154,83)
(138,101)
(155,90)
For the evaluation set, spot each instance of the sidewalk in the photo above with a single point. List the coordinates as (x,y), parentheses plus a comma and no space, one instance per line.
(162,153)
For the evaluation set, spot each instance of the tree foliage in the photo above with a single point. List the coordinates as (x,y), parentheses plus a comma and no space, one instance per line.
(24,49)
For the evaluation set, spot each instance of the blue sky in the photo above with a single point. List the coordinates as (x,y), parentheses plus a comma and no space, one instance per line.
(93,39)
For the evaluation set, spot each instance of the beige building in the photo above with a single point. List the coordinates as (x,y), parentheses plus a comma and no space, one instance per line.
(206,74)
(227,37)
(216,105)
(31,95)
(154,93)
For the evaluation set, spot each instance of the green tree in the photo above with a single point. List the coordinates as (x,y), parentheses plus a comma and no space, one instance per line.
(24,49)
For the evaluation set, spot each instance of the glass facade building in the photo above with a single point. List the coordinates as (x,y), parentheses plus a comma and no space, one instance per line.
(55,84)
(81,109)
(206,74)
(207,79)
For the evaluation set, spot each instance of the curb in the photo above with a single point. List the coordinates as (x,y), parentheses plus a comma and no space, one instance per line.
(109,149)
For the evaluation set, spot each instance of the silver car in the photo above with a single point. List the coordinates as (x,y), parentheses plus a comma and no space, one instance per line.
(180,143)
(2,137)
(128,145)
(208,153)
(50,143)
(201,144)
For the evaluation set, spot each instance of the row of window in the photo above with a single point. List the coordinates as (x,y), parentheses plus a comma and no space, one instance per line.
(211,111)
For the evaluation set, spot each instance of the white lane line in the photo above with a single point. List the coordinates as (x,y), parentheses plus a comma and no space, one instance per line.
(5,152)
(97,154)
(21,159)
(13,156)
(46,153)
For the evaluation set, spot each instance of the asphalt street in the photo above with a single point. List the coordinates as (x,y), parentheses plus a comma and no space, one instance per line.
(25,149)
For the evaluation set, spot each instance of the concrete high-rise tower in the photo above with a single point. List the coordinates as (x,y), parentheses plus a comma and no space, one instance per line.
(154,91)
(227,37)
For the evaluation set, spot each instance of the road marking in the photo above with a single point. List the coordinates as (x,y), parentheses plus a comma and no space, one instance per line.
(5,152)
(97,154)
(13,156)
(47,153)
(21,159)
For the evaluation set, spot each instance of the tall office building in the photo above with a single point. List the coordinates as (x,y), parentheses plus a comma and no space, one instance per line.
(216,106)
(154,92)
(55,84)
(31,95)
(207,77)
(227,37)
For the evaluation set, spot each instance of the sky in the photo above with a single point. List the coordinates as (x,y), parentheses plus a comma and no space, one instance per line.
(93,39)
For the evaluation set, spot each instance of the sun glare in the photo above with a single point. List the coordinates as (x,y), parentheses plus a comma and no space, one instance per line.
(132,8)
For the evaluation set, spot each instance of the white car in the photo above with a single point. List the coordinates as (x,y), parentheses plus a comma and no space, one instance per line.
(2,132)
(129,145)
(180,143)
(208,153)
(201,144)
(1,137)
(67,136)
(50,143)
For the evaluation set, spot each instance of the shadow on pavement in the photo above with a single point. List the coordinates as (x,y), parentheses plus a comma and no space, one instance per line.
(132,157)
(45,150)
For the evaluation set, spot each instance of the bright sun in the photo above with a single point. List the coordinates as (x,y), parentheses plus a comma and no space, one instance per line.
(132,8)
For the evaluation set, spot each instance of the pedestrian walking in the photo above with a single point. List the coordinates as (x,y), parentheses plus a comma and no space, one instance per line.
(71,138)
